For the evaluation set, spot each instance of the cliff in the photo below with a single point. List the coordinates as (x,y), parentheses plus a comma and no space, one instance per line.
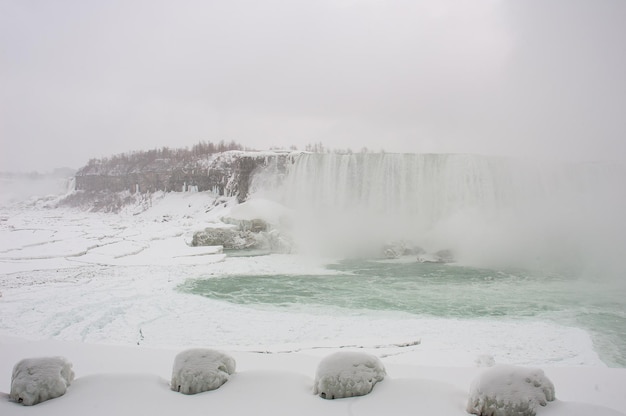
(227,173)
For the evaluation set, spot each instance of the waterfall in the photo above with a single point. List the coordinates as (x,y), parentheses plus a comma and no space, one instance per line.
(470,203)
(427,187)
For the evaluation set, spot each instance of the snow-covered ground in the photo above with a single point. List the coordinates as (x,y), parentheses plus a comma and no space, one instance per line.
(99,289)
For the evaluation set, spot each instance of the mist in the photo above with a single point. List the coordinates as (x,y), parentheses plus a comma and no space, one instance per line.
(489,211)
(543,80)
(33,187)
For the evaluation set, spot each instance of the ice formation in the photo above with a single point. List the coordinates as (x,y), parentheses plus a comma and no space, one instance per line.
(36,380)
(198,370)
(347,374)
(509,391)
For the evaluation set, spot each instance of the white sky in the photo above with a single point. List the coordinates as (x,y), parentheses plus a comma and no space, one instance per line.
(82,79)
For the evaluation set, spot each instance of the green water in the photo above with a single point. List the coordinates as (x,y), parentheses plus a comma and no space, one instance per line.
(438,290)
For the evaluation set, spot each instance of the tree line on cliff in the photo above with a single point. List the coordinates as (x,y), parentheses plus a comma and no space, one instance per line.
(164,158)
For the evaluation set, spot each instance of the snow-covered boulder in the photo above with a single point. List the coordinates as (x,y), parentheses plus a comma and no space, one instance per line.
(399,248)
(347,374)
(391,251)
(36,380)
(200,369)
(441,256)
(509,391)
(227,237)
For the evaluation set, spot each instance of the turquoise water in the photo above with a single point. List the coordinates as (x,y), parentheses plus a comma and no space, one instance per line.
(439,290)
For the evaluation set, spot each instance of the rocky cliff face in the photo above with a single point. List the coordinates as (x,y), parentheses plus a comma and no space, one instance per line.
(228,173)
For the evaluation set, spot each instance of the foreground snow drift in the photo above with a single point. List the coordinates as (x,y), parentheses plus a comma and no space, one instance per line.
(36,380)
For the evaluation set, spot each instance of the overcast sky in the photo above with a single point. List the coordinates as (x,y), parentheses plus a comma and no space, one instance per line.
(82,79)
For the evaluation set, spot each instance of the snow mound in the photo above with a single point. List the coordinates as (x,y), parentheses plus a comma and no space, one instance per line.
(347,374)
(36,380)
(198,370)
(509,391)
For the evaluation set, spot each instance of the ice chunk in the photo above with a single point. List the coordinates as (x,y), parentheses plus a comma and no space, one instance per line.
(509,391)
(36,380)
(200,369)
(347,374)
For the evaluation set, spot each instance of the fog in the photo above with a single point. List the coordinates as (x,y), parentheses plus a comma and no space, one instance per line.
(30,188)
(540,79)
(489,211)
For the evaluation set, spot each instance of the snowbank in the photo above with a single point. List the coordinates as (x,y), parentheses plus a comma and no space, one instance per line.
(199,370)
(347,374)
(36,380)
(510,391)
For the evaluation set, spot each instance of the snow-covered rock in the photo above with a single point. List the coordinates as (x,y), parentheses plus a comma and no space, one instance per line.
(229,238)
(255,225)
(36,380)
(399,248)
(509,391)
(347,374)
(197,370)
(441,256)
(392,251)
